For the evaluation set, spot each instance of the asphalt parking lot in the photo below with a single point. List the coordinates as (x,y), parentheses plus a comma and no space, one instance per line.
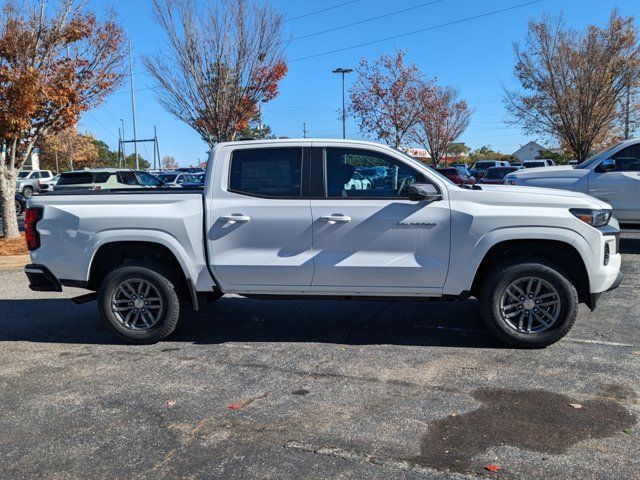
(312,389)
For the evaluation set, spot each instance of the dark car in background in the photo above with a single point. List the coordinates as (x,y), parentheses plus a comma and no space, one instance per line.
(21,204)
(480,168)
(456,176)
(543,162)
(495,175)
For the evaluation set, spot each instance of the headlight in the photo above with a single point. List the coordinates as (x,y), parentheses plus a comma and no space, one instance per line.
(510,180)
(595,218)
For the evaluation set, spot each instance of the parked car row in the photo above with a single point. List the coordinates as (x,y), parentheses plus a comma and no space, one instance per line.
(37,181)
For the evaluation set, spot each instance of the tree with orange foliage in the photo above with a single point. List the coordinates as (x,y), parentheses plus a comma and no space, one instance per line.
(54,65)
(69,149)
(224,58)
(386,97)
(442,119)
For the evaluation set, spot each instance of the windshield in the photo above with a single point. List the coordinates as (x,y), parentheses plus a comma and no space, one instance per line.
(23,174)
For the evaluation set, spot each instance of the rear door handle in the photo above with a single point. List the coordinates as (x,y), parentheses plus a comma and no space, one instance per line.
(236,217)
(337,218)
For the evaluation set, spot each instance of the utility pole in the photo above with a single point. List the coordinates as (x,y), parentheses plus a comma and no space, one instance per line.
(343,71)
(124,154)
(304,130)
(133,109)
(627,113)
(156,148)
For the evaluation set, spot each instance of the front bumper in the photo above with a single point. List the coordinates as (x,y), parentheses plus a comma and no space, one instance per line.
(596,296)
(41,279)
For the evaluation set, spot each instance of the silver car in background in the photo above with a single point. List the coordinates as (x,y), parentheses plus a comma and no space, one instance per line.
(612,175)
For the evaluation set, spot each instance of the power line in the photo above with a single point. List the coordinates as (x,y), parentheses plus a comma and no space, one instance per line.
(320,11)
(370,19)
(393,37)
(103,125)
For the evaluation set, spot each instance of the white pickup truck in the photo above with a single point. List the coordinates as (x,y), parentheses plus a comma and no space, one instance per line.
(280,219)
(612,175)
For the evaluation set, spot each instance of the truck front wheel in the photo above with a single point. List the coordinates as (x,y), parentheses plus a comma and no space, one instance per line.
(139,303)
(528,303)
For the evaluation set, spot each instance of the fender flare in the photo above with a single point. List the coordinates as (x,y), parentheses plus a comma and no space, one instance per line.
(107,237)
(466,264)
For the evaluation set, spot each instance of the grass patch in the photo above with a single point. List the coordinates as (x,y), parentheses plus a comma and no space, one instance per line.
(13,246)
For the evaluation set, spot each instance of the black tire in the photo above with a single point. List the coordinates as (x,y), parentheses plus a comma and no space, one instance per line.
(27,192)
(501,277)
(18,208)
(166,285)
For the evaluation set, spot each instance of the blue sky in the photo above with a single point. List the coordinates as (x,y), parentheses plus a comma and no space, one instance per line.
(476,56)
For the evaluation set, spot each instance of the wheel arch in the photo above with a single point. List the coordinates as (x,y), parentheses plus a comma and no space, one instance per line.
(561,253)
(110,255)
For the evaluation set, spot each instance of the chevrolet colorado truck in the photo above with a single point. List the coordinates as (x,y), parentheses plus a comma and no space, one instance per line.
(278,219)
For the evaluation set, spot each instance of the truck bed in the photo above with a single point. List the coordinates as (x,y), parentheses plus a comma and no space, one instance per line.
(83,221)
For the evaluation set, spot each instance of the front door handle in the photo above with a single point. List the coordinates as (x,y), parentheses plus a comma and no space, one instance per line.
(236,217)
(336,218)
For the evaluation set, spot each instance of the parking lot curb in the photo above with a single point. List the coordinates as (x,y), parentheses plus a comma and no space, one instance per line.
(13,262)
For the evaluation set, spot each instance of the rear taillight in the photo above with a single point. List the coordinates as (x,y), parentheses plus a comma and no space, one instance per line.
(31,235)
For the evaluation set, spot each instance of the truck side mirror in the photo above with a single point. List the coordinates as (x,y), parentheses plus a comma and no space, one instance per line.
(423,191)
(608,165)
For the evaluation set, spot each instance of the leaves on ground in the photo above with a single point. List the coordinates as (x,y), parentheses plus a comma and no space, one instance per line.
(492,467)
(13,246)
(234,406)
(575,405)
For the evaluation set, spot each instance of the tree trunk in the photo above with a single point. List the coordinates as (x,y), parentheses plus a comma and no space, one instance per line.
(9,217)
(8,176)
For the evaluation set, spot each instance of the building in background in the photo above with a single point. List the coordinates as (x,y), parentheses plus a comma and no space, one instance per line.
(529,151)
(32,163)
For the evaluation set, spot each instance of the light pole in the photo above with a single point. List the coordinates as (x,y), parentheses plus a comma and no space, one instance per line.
(343,72)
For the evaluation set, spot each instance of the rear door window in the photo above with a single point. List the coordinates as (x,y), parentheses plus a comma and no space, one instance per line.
(78,178)
(267,172)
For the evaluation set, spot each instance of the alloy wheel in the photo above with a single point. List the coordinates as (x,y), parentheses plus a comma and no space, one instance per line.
(530,305)
(137,304)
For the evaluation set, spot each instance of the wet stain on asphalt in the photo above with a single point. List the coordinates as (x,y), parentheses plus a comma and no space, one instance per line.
(618,391)
(302,391)
(534,420)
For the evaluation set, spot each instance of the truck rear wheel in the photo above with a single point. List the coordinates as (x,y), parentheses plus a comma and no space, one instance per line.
(140,303)
(528,303)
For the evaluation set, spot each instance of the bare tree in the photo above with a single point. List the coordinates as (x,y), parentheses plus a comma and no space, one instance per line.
(385,98)
(223,58)
(443,118)
(573,83)
(169,163)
